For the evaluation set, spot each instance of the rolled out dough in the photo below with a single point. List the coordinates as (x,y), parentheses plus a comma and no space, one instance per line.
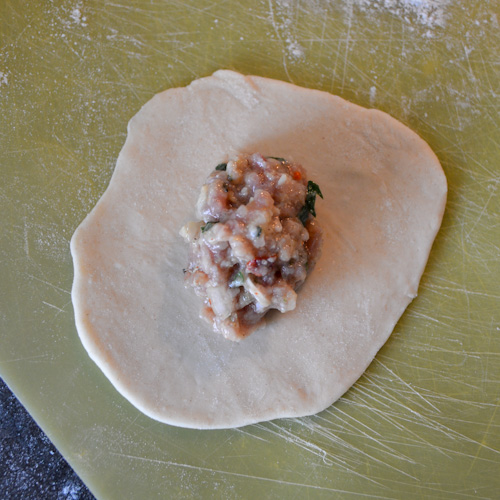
(385,194)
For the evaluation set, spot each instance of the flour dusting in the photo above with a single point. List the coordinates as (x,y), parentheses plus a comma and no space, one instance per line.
(3,78)
(427,13)
(283,15)
(76,15)
(294,48)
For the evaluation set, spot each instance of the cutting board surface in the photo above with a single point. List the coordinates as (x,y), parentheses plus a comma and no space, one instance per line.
(423,421)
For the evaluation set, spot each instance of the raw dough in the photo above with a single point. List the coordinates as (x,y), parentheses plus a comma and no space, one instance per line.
(385,194)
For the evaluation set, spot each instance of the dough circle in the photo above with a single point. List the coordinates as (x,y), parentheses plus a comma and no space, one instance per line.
(385,194)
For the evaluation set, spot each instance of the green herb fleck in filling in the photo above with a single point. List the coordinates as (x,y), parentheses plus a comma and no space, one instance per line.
(237,279)
(207,226)
(312,190)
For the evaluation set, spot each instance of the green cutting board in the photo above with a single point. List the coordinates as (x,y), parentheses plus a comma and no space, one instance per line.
(423,421)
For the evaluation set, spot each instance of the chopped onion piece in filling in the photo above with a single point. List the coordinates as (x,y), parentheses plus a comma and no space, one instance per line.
(256,242)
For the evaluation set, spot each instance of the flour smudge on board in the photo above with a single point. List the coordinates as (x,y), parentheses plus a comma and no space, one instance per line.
(427,13)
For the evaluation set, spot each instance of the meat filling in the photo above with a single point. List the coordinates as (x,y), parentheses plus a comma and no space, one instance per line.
(256,242)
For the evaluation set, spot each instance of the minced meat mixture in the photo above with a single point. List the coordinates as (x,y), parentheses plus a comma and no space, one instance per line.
(256,242)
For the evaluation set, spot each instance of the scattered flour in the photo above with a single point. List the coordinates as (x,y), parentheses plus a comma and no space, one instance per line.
(428,13)
(282,16)
(294,48)
(76,15)
(3,78)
